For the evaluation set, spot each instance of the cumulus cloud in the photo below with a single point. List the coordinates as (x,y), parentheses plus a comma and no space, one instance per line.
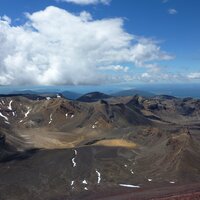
(159,77)
(85,16)
(87,2)
(172,11)
(194,75)
(5,19)
(55,46)
(115,68)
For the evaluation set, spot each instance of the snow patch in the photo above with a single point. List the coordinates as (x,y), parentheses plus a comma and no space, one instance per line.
(75,152)
(172,182)
(84,182)
(72,116)
(48,98)
(72,183)
(3,116)
(131,186)
(132,172)
(73,162)
(50,118)
(26,114)
(10,105)
(85,188)
(73,159)
(99,176)
(149,179)
(94,126)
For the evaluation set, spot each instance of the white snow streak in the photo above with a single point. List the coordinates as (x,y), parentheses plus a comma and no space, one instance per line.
(10,105)
(73,159)
(75,152)
(73,162)
(172,182)
(99,176)
(3,116)
(131,186)
(50,119)
(72,183)
(26,114)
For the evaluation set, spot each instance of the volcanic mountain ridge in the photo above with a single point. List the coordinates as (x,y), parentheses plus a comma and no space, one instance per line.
(73,149)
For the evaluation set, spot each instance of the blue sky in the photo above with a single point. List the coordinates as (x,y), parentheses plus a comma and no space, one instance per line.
(172,27)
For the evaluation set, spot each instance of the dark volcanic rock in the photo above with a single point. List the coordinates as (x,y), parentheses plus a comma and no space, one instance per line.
(54,148)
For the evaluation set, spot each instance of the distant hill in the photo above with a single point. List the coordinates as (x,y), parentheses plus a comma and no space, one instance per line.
(133,92)
(65,94)
(24,92)
(71,95)
(166,97)
(28,96)
(93,97)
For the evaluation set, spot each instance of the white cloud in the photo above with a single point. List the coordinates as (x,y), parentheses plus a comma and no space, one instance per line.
(55,46)
(154,68)
(87,2)
(115,68)
(85,16)
(165,1)
(145,75)
(5,19)
(155,78)
(194,75)
(172,11)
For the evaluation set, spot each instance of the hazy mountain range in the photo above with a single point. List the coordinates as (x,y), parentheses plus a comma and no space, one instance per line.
(178,90)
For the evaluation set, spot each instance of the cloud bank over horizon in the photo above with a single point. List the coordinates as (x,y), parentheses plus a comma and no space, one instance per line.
(55,47)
